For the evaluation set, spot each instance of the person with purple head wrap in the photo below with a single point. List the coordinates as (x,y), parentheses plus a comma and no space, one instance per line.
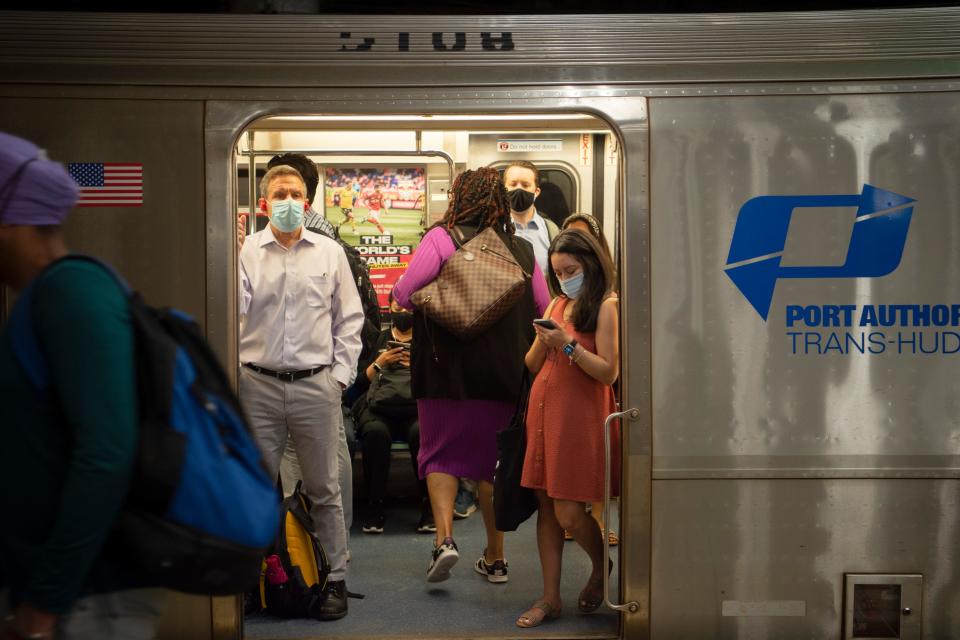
(36,196)
(66,452)
(35,191)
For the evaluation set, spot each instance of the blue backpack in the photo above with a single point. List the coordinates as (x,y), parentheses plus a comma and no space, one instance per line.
(202,508)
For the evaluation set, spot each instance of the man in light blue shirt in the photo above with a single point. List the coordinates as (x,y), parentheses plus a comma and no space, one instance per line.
(522,181)
(300,322)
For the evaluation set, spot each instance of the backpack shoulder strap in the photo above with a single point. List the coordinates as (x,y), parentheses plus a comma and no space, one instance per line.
(20,330)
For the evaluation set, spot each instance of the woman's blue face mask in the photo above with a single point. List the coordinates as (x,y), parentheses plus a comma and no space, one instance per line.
(572,285)
(286,215)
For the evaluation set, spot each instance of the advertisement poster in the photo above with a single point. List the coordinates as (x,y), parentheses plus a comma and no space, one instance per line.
(380,211)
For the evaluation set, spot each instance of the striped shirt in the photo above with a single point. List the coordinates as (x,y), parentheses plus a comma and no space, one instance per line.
(315,222)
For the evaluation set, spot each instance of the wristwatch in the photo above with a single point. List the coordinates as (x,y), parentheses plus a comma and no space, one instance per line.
(569,348)
(377,368)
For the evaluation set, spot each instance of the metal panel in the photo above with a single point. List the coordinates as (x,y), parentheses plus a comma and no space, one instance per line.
(883,606)
(633,247)
(205,50)
(188,617)
(775,542)
(733,396)
(671,87)
(158,246)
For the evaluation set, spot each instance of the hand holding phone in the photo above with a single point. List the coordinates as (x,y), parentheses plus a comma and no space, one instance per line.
(545,323)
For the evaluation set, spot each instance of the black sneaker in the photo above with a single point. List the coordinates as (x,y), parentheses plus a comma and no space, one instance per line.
(334,604)
(496,572)
(426,524)
(373,520)
(444,557)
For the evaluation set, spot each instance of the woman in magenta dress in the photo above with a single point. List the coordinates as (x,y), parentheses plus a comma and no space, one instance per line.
(575,362)
(466,391)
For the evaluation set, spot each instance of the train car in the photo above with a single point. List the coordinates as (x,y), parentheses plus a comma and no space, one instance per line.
(781,190)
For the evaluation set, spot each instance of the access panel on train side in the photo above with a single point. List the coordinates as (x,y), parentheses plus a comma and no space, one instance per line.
(806,345)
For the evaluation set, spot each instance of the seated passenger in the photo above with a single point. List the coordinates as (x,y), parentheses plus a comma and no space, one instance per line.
(388,412)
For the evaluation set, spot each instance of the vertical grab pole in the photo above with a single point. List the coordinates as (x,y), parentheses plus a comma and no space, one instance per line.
(251,185)
(631,414)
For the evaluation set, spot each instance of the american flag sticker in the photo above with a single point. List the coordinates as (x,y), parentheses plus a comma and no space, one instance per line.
(108,184)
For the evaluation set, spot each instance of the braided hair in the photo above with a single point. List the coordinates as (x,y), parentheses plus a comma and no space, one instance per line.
(478,197)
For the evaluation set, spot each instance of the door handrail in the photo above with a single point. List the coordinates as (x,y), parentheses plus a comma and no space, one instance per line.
(630,414)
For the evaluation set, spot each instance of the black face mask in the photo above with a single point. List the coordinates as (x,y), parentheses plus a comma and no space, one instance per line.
(520,199)
(402,320)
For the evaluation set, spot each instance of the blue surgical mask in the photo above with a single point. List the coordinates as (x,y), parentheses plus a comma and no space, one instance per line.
(572,285)
(286,215)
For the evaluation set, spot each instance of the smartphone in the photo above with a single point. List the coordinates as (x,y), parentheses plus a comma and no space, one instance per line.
(545,323)
(393,344)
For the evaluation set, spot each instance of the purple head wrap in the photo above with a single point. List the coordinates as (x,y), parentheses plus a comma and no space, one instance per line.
(33,190)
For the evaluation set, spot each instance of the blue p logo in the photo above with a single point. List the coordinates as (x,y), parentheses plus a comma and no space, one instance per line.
(876,246)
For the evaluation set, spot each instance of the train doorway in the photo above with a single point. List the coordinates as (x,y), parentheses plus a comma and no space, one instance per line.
(414,159)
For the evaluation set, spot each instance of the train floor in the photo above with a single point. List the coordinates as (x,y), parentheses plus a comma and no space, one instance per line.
(390,570)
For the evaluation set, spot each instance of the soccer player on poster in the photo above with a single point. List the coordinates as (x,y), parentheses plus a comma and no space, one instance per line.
(374,202)
(346,206)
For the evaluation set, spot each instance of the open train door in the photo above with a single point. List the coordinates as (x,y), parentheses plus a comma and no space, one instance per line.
(620,125)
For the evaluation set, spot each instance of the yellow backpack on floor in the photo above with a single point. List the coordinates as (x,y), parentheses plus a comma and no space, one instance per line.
(293,579)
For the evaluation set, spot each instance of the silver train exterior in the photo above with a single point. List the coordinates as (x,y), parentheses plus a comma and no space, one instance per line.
(795,428)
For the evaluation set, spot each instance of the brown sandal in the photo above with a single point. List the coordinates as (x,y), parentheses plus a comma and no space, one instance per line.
(549,612)
(591,598)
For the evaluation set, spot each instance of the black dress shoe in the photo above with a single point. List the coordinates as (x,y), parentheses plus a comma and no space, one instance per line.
(334,605)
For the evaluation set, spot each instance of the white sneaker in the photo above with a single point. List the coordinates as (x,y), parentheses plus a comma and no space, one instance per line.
(444,557)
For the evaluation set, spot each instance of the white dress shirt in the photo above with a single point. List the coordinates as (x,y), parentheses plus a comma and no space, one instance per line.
(536,233)
(299,308)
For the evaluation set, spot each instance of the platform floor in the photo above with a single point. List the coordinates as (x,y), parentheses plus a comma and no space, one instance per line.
(390,570)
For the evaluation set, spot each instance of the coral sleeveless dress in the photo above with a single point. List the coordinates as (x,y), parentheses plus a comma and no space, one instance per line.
(565,426)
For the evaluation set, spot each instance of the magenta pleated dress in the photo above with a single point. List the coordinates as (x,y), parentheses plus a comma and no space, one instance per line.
(457,437)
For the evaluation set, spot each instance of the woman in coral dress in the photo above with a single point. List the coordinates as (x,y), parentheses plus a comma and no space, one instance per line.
(576,360)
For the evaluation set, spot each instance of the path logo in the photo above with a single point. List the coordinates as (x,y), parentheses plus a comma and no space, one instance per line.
(876,245)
